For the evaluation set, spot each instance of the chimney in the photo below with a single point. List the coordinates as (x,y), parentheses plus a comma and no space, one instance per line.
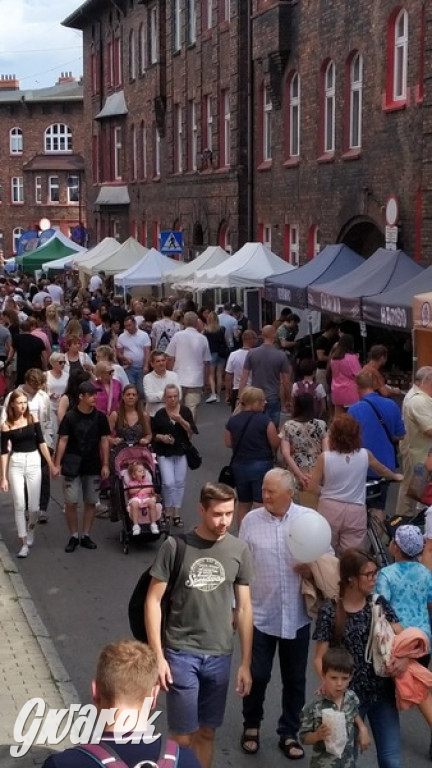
(65,77)
(9,83)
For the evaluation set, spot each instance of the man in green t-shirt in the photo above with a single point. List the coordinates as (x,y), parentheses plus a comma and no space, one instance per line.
(194,667)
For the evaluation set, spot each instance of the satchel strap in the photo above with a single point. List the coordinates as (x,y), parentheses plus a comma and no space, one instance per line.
(380,419)
(242,434)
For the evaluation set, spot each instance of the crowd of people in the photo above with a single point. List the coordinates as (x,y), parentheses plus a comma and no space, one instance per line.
(84,375)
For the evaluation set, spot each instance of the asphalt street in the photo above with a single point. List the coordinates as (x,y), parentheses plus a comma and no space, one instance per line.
(82,598)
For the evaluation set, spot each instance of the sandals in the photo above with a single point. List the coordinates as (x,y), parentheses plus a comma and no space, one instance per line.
(288,745)
(250,738)
(178,522)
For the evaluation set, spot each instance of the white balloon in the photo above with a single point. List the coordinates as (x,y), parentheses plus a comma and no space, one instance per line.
(308,537)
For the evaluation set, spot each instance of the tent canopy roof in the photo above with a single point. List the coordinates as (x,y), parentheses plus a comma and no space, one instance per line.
(121,258)
(183,276)
(147,271)
(332,262)
(53,249)
(247,268)
(394,309)
(106,246)
(384,270)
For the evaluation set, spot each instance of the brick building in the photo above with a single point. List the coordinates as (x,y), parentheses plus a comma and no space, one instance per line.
(165,87)
(42,170)
(343,107)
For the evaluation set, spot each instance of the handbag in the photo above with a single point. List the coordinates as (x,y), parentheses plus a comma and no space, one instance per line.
(226,475)
(71,465)
(380,641)
(193,456)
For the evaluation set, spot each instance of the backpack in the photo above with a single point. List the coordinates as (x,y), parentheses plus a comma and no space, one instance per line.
(310,388)
(104,755)
(165,338)
(380,641)
(138,598)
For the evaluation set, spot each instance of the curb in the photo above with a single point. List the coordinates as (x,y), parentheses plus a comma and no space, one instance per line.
(61,677)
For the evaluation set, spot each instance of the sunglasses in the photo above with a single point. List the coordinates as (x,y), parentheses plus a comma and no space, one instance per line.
(61,362)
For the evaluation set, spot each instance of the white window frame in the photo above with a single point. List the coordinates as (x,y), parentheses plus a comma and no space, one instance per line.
(52,186)
(73,183)
(294,245)
(267,235)
(144,149)
(267,124)
(157,164)
(38,190)
(400,62)
(227,128)
(58,135)
(177,25)
(132,55)
(16,141)
(192,22)
(209,13)
(193,134)
(179,137)
(209,122)
(356,102)
(118,146)
(294,115)
(316,245)
(143,51)
(227,10)
(17,190)
(16,234)
(134,168)
(329,107)
(153,35)
(116,229)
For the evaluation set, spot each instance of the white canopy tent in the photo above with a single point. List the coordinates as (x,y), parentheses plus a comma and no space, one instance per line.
(183,278)
(59,265)
(106,246)
(147,271)
(247,268)
(121,258)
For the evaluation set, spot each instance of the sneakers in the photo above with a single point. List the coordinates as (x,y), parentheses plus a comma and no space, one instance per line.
(72,544)
(30,537)
(136,530)
(212,399)
(217,399)
(101,509)
(23,551)
(87,543)
(154,528)
(43,517)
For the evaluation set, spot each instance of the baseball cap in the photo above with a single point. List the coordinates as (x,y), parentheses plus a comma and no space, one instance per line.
(409,539)
(87,388)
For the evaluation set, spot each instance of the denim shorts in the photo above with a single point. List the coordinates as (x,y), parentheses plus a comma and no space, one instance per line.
(249,479)
(88,484)
(197,696)
(216,360)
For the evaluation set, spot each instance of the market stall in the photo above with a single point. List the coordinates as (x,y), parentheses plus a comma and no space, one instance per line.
(183,277)
(247,268)
(394,309)
(147,271)
(422,329)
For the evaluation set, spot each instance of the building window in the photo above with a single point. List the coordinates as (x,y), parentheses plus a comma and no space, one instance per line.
(191,5)
(58,138)
(294,116)
(118,153)
(400,71)
(132,55)
(225,129)
(143,150)
(53,189)
(313,241)
(118,63)
(208,123)
(17,189)
(329,107)
(193,137)
(157,158)
(143,232)
(226,10)
(225,237)
(109,63)
(1,243)
(156,235)
(16,234)
(294,246)
(356,99)
(267,124)
(116,229)
(207,11)
(178,139)
(16,141)
(73,189)
(153,35)
(133,155)
(266,235)
(38,190)
(142,52)
(176,25)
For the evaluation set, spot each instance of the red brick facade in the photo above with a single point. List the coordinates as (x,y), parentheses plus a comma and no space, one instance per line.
(40,162)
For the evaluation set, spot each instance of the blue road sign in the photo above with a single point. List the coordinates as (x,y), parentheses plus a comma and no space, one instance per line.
(171,242)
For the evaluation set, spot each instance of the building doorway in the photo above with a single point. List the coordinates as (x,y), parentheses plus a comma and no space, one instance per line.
(362,235)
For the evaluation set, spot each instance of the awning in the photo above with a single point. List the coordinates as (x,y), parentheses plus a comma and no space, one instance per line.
(116,195)
(114,106)
(55,162)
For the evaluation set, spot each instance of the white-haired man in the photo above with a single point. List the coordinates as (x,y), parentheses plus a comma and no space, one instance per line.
(414,448)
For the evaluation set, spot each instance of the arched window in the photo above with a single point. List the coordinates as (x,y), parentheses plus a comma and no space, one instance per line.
(132,55)
(225,236)
(294,115)
(58,138)
(16,145)
(313,241)
(356,101)
(329,107)
(400,61)
(16,234)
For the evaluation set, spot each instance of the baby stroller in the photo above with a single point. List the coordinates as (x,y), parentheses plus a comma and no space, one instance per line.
(121,460)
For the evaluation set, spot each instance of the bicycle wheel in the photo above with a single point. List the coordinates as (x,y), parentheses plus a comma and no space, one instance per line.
(376,546)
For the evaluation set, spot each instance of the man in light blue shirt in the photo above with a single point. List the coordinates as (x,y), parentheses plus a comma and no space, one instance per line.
(227,321)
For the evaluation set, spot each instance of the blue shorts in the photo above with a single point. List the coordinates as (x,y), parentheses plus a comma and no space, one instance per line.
(216,360)
(197,696)
(249,479)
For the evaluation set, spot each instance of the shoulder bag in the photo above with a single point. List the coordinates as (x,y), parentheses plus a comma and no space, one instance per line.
(226,474)
(384,426)
(380,642)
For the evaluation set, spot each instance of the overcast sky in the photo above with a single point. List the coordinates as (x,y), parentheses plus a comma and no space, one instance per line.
(33,44)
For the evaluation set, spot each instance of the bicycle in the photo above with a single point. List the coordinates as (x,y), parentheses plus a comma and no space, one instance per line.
(377,531)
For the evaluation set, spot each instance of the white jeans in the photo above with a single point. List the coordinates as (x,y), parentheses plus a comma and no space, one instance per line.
(25,470)
(173,473)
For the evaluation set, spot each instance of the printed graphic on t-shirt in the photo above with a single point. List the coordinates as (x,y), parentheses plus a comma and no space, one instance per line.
(206,574)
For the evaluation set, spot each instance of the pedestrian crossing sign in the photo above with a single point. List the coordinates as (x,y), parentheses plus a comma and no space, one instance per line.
(171,242)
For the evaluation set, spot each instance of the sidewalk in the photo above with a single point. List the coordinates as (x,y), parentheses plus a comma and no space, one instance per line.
(29,664)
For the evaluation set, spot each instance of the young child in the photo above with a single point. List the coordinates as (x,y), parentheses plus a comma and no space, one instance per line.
(141,495)
(307,384)
(337,670)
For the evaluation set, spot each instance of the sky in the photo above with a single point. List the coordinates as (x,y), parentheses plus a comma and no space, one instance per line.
(33,44)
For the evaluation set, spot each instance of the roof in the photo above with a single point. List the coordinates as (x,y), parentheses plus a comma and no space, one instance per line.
(394,309)
(114,105)
(77,19)
(120,259)
(184,274)
(247,268)
(55,162)
(147,271)
(115,195)
(70,91)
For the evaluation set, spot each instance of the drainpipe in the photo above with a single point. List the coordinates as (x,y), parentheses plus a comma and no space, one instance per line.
(250,134)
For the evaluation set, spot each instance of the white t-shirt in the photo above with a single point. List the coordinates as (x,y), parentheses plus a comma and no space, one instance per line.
(120,375)
(229,323)
(95,283)
(235,365)
(190,351)
(133,346)
(39,297)
(345,476)
(166,328)
(154,387)
(56,293)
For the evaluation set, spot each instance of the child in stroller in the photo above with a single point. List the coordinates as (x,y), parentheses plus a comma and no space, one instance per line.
(138,483)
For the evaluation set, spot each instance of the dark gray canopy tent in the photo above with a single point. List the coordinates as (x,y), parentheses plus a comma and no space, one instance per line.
(393,309)
(291,287)
(383,271)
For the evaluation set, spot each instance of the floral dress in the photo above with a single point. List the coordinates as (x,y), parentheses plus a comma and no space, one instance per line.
(305,439)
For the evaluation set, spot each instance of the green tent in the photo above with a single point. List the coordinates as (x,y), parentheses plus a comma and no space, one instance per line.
(51,250)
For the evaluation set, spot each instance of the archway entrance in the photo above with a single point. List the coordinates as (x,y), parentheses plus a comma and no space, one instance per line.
(363,236)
